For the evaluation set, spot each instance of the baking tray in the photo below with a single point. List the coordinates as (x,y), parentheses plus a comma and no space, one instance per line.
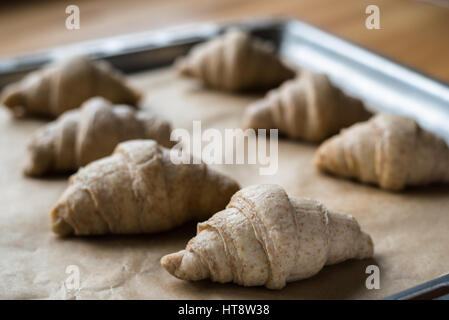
(383,84)
(437,289)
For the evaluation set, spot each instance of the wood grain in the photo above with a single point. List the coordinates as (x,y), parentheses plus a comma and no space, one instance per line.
(415,33)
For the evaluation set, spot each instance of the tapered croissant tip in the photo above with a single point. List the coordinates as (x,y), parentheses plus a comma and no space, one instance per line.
(319,158)
(136,97)
(185,265)
(182,66)
(31,170)
(329,158)
(366,246)
(59,225)
(39,161)
(171,262)
(12,98)
(258,115)
(324,158)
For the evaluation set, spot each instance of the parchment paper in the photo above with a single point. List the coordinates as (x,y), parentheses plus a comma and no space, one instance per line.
(409,229)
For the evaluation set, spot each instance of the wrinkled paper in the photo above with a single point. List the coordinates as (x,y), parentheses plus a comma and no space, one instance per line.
(409,229)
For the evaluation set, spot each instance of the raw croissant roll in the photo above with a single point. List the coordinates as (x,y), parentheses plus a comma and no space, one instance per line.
(235,62)
(139,190)
(265,237)
(64,85)
(309,107)
(89,133)
(388,150)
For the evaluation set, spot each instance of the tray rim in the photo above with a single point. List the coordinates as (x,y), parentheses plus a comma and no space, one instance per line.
(18,62)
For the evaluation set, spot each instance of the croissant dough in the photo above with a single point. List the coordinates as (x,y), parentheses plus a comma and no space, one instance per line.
(308,107)
(64,85)
(265,237)
(138,189)
(389,150)
(234,61)
(89,133)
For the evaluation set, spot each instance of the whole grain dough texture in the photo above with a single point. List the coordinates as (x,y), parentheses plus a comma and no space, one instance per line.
(235,61)
(391,151)
(308,107)
(65,85)
(264,237)
(91,132)
(139,189)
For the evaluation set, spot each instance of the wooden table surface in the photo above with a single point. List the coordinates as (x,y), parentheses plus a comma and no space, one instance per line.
(413,32)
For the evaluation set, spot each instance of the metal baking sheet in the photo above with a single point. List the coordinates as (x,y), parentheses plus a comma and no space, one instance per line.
(383,84)
(436,289)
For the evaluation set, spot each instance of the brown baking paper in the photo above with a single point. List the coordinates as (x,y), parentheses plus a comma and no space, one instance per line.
(409,229)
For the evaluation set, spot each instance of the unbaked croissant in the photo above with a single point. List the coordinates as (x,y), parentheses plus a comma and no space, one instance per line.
(264,237)
(64,85)
(308,107)
(389,150)
(138,189)
(235,61)
(91,132)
